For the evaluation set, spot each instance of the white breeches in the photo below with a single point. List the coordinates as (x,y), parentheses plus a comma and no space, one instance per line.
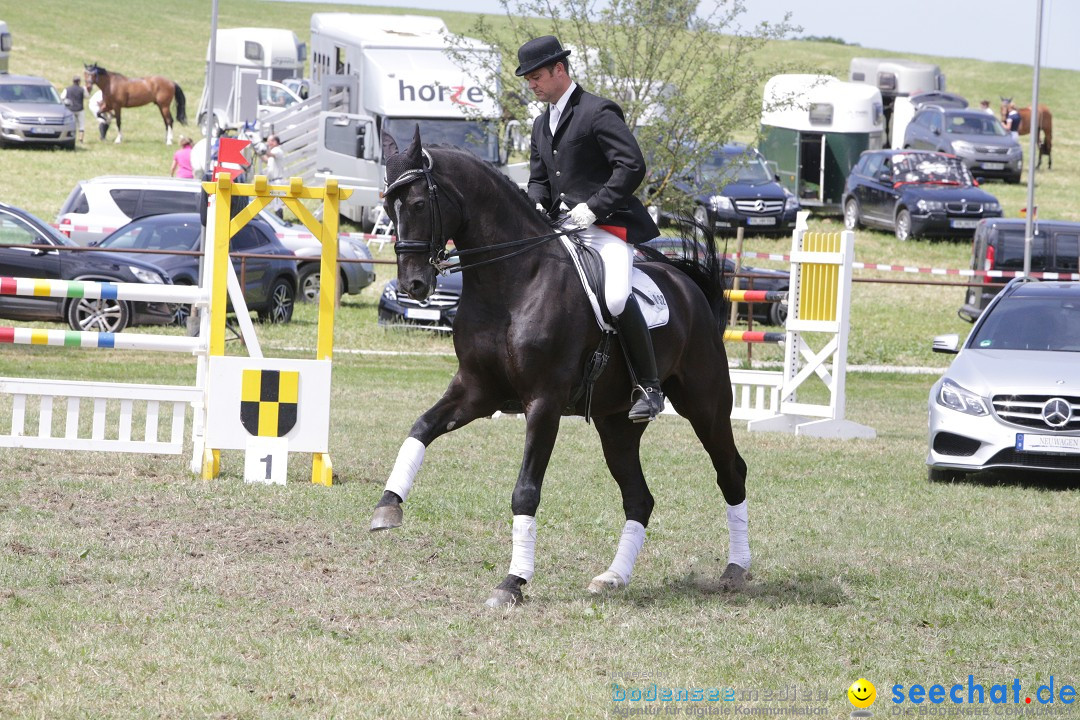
(618,258)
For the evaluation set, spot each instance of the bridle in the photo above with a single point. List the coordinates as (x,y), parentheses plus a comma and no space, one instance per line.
(436,246)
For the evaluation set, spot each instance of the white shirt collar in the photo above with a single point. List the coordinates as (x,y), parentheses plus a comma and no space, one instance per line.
(561,104)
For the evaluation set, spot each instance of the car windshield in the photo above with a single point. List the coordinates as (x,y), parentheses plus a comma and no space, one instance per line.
(1031,323)
(477,136)
(154,236)
(23,93)
(723,169)
(921,168)
(974,124)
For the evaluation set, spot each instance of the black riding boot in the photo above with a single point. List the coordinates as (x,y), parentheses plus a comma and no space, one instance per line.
(637,343)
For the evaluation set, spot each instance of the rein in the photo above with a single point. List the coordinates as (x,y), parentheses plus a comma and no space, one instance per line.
(529,243)
(436,247)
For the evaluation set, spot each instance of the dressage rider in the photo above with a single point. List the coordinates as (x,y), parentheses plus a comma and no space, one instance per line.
(585,166)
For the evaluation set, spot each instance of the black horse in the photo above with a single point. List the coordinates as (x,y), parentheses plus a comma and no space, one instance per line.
(525,333)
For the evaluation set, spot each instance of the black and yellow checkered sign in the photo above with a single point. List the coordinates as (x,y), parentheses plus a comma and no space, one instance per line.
(269,401)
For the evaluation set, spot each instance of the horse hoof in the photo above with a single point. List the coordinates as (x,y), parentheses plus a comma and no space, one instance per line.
(734,579)
(605,583)
(387,517)
(502,599)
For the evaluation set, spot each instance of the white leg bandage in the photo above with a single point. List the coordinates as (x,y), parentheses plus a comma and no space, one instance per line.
(738,541)
(633,537)
(522,560)
(410,458)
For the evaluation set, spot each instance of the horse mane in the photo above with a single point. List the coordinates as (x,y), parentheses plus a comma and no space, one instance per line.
(521,198)
(698,260)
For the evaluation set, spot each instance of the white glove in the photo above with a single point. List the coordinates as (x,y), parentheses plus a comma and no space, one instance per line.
(540,207)
(582,216)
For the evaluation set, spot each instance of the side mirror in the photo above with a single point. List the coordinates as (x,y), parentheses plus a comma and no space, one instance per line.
(936,131)
(948,344)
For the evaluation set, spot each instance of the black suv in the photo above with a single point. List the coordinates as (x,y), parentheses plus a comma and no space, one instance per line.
(915,193)
(734,188)
(999,245)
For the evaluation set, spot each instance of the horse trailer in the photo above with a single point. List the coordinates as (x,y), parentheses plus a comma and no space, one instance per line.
(813,129)
(5,46)
(257,72)
(896,78)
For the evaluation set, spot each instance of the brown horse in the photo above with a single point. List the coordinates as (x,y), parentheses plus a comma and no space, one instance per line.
(119,91)
(1046,128)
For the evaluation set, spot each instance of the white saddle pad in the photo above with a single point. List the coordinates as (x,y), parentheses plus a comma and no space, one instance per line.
(651,300)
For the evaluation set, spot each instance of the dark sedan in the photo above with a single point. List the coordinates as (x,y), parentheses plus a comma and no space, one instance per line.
(269,282)
(396,309)
(46,261)
(915,193)
(734,188)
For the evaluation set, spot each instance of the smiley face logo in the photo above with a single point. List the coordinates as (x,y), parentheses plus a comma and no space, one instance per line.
(862,693)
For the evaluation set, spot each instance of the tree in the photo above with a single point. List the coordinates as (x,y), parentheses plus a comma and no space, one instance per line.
(686,81)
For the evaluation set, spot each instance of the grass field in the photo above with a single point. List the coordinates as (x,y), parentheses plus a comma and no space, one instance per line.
(129,589)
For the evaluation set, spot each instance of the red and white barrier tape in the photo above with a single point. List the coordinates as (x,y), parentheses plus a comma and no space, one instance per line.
(922,270)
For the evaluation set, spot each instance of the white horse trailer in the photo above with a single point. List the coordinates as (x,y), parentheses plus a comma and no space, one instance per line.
(896,78)
(256,73)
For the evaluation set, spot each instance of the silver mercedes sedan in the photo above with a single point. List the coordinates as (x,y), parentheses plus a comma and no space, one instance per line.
(1011,398)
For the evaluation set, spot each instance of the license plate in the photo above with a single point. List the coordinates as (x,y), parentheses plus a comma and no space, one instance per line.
(993,166)
(761,221)
(40,131)
(963,224)
(1054,444)
(429,314)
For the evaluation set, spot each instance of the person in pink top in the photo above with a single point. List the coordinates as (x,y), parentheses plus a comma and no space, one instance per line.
(181,162)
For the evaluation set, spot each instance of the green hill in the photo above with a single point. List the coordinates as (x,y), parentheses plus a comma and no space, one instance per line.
(54,39)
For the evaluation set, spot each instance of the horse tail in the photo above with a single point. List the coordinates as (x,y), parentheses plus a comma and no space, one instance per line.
(181,104)
(699,259)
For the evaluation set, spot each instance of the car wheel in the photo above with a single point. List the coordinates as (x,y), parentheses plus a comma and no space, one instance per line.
(1013,179)
(851,214)
(778,313)
(181,311)
(280,308)
(98,315)
(903,225)
(940,475)
(309,282)
(69,145)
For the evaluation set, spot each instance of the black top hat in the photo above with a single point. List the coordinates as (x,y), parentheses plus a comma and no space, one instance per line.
(539,52)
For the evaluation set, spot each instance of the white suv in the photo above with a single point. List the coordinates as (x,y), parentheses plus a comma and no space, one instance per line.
(98,206)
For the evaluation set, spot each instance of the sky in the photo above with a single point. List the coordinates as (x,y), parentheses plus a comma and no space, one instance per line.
(997,30)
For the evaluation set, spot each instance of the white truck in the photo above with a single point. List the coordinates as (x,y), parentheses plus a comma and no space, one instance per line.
(258,72)
(5,46)
(391,73)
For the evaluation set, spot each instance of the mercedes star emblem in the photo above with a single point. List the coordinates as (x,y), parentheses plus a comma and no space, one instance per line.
(1057,412)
